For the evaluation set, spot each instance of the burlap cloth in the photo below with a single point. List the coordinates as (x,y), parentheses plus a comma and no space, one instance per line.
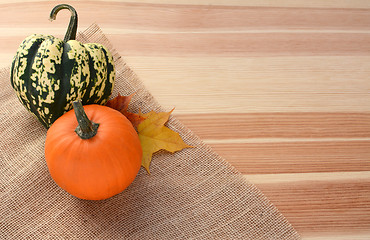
(192,194)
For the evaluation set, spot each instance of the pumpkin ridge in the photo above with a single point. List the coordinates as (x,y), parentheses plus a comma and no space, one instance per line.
(100,68)
(61,100)
(46,77)
(91,88)
(114,169)
(110,72)
(76,71)
(120,163)
(20,78)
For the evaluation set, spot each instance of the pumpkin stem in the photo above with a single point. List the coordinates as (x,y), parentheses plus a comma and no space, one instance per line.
(86,129)
(72,27)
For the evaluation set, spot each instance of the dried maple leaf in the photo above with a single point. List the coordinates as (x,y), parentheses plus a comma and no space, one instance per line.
(120,103)
(154,136)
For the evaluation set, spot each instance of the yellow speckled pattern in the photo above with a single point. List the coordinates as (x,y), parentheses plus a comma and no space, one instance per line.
(79,77)
(48,74)
(44,78)
(97,51)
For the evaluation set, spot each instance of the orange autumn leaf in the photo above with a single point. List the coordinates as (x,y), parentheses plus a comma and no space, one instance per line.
(120,103)
(154,136)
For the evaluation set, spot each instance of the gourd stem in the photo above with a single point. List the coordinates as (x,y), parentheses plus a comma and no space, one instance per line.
(72,27)
(86,129)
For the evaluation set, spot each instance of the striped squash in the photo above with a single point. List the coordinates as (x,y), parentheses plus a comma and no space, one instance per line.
(49,73)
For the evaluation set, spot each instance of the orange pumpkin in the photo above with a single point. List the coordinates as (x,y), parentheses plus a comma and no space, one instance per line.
(93,154)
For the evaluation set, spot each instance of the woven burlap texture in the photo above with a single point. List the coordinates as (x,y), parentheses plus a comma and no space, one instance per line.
(192,194)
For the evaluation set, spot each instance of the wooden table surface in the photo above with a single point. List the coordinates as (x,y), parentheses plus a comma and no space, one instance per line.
(281,89)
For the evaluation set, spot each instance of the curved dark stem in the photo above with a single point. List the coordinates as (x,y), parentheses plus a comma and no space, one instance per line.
(72,27)
(86,129)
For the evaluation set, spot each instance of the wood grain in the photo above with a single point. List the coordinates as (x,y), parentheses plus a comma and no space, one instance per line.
(303,125)
(297,156)
(339,205)
(279,88)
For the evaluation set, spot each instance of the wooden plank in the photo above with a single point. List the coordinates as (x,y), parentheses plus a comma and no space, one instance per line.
(295,157)
(287,142)
(244,44)
(278,125)
(257,84)
(323,208)
(288,178)
(175,17)
(263,3)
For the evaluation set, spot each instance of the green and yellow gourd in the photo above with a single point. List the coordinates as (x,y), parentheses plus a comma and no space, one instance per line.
(48,73)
